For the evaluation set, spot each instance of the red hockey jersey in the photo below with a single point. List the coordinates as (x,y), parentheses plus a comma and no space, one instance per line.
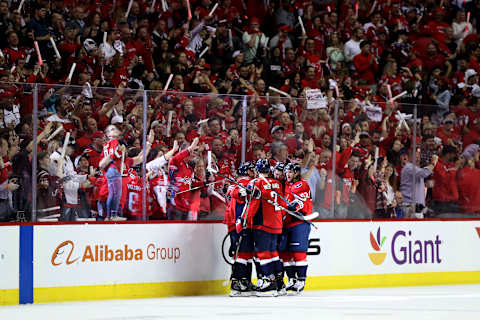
(263,215)
(300,193)
(112,149)
(181,175)
(158,187)
(134,193)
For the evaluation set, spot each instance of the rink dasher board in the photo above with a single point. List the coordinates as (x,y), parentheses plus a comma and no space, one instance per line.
(9,265)
(74,262)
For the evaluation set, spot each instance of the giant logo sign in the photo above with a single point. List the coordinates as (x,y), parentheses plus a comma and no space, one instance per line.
(405,248)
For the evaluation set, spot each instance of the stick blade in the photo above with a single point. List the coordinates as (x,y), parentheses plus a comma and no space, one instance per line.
(311,216)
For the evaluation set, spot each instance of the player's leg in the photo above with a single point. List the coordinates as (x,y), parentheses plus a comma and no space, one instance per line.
(241,276)
(266,251)
(288,262)
(298,248)
(284,259)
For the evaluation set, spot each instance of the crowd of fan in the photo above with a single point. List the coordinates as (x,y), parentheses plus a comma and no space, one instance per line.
(360,54)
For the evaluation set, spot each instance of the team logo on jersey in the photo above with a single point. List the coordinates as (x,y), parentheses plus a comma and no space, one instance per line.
(377,257)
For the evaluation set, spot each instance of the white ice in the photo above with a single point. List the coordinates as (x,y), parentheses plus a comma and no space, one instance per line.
(405,303)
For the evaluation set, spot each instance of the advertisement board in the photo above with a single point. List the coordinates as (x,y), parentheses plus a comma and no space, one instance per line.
(9,264)
(73,255)
(114,261)
(394,247)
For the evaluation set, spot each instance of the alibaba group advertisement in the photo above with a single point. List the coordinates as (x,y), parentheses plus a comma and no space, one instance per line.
(69,255)
(62,255)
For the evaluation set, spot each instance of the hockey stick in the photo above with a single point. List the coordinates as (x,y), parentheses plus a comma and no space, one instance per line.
(294,214)
(300,217)
(195,188)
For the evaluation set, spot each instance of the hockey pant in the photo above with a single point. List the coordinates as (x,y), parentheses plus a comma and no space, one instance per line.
(242,268)
(293,249)
(266,254)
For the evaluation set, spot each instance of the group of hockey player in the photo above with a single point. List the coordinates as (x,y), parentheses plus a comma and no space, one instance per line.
(267,219)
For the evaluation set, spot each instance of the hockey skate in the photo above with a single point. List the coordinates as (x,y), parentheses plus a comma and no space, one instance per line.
(259,284)
(290,284)
(297,288)
(268,288)
(240,288)
(281,289)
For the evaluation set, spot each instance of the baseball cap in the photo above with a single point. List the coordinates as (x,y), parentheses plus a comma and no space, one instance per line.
(279,106)
(276,128)
(155,124)
(117,119)
(469,73)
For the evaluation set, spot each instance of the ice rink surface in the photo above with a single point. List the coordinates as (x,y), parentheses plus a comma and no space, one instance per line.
(405,303)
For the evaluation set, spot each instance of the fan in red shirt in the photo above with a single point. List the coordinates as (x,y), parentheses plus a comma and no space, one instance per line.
(94,150)
(214,131)
(448,132)
(13,52)
(467,180)
(181,179)
(311,80)
(134,196)
(445,193)
(365,63)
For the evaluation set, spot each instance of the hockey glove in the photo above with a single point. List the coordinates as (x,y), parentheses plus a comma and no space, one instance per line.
(243,192)
(295,205)
(233,244)
(292,207)
(239,226)
(256,193)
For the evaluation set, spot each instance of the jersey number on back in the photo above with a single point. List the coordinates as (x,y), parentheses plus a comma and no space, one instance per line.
(274,196)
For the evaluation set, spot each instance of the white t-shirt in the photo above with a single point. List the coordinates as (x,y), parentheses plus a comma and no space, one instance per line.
(351,49)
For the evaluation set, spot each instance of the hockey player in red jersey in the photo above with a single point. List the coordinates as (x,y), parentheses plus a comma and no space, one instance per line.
(297,193)
(265,218)
(242,268)
(279,175)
